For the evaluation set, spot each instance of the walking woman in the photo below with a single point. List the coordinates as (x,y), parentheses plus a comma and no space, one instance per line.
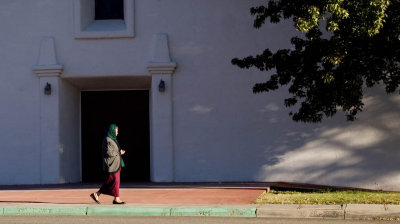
(112,164)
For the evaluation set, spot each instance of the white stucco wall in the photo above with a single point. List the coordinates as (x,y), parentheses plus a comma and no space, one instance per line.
(221,130)
(69,147)
(19,98)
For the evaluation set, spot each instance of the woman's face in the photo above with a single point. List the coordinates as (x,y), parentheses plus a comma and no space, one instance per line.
(116,131)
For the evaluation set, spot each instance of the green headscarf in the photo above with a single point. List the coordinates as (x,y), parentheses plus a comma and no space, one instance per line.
(111,133)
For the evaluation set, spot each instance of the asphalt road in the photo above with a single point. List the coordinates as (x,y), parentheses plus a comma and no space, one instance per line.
(167,220)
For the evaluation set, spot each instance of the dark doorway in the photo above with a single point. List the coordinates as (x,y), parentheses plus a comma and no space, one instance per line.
(130,111)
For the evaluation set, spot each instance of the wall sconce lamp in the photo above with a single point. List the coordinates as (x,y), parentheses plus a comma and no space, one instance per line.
(161,86)
(47,89)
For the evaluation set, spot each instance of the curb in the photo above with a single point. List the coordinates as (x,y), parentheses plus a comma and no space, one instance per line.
(125,210)
(301,211)
(378,212)
(344,212)
(44,211)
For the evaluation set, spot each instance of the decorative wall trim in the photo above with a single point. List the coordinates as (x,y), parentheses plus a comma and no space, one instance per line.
(160,62)
(47,64)
(162,153)
(49,71)
(161,68)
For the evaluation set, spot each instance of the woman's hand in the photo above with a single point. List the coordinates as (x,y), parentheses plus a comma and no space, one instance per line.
(122,151)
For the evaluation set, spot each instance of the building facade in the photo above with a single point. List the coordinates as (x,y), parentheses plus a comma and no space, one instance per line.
(161,70)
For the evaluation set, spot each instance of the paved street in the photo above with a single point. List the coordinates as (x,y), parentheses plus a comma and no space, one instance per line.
(167,220)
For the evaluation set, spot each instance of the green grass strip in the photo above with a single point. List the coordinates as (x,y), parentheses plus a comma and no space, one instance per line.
(328,197)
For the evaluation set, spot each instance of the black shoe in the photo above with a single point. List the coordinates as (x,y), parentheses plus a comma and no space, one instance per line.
(118,203)
(94,198)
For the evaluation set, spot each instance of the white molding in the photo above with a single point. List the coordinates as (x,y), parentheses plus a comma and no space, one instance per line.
(161,68)
(48,70)
(86,27)
(160,62)
(47,65)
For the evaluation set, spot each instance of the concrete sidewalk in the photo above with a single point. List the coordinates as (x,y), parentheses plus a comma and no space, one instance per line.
(148,193)
(200,199)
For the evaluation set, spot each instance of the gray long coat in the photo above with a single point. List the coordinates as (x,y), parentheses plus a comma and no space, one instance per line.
(111,156)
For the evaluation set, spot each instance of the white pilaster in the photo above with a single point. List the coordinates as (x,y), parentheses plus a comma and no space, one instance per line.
(49,72)
(162,147)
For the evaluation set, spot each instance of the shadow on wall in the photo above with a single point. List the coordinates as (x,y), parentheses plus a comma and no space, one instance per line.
(364,153)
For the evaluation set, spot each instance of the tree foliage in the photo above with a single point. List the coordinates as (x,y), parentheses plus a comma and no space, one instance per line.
(326,73)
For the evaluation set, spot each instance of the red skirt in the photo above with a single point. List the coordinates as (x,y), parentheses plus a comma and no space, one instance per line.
(111,185)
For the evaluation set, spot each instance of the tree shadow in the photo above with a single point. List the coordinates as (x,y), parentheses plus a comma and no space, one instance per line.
(362,154)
